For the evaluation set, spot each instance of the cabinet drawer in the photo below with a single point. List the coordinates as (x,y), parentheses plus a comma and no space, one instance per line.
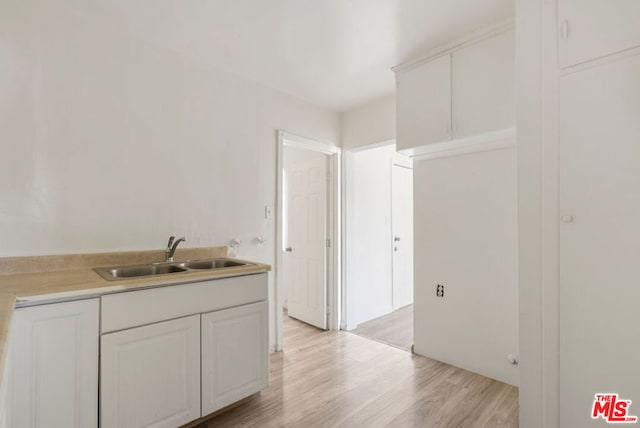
(135,308)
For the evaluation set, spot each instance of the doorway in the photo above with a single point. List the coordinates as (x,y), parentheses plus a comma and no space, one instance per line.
(378,290)
(308,229)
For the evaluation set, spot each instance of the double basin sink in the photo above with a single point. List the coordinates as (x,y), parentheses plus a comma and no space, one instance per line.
(126,272)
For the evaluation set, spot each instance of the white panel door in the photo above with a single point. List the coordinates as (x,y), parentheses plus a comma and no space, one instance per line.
(423,111)
(150,376)
(54,366)
(599,238)
(483,86)
(402,225)
(590,29)
(235,355)
(305,253)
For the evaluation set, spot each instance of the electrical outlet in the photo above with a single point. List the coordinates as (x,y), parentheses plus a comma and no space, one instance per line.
(439,290)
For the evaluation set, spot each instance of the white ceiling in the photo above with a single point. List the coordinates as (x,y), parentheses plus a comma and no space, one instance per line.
(333,53)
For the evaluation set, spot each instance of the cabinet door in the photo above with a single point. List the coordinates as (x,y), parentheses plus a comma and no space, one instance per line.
(483,86)
(54,366)
(235,355)
(590,29)
(150,376)
(423,111)
(599,237)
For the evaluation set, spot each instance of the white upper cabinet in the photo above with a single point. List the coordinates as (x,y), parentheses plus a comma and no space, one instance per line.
(150,376)
(483,86)
(53,366)
(464,96)
(590,29)
(424,104)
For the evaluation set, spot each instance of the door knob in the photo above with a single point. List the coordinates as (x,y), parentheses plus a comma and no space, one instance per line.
(396,239)
(288,249)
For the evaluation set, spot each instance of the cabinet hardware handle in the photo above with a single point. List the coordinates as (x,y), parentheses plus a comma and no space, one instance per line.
(564,30)
(567,218)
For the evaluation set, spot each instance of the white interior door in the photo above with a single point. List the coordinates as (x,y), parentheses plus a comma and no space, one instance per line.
(402,226)
(305,241)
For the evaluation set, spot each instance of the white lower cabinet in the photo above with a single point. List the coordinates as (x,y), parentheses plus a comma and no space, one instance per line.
(150,376)
(212,351)
(52,370)
(235,355)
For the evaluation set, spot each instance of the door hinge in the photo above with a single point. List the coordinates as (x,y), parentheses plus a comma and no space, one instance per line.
(328,243)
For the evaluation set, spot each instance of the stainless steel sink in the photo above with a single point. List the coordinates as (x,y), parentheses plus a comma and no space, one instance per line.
(211,264)
(137,271)
(125,272)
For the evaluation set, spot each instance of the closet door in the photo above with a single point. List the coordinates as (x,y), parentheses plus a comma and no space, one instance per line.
(590,29)
(599,237)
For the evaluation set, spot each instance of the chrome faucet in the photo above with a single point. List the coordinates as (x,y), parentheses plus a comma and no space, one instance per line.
(171,247)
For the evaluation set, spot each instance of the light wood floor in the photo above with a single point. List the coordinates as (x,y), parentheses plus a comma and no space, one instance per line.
(338,379)
(395,329)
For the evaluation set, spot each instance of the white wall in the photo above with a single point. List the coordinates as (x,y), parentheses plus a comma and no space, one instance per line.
(537,255)
(466,239)
(371,123)
(468,328)
(110,143)
(369,267)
